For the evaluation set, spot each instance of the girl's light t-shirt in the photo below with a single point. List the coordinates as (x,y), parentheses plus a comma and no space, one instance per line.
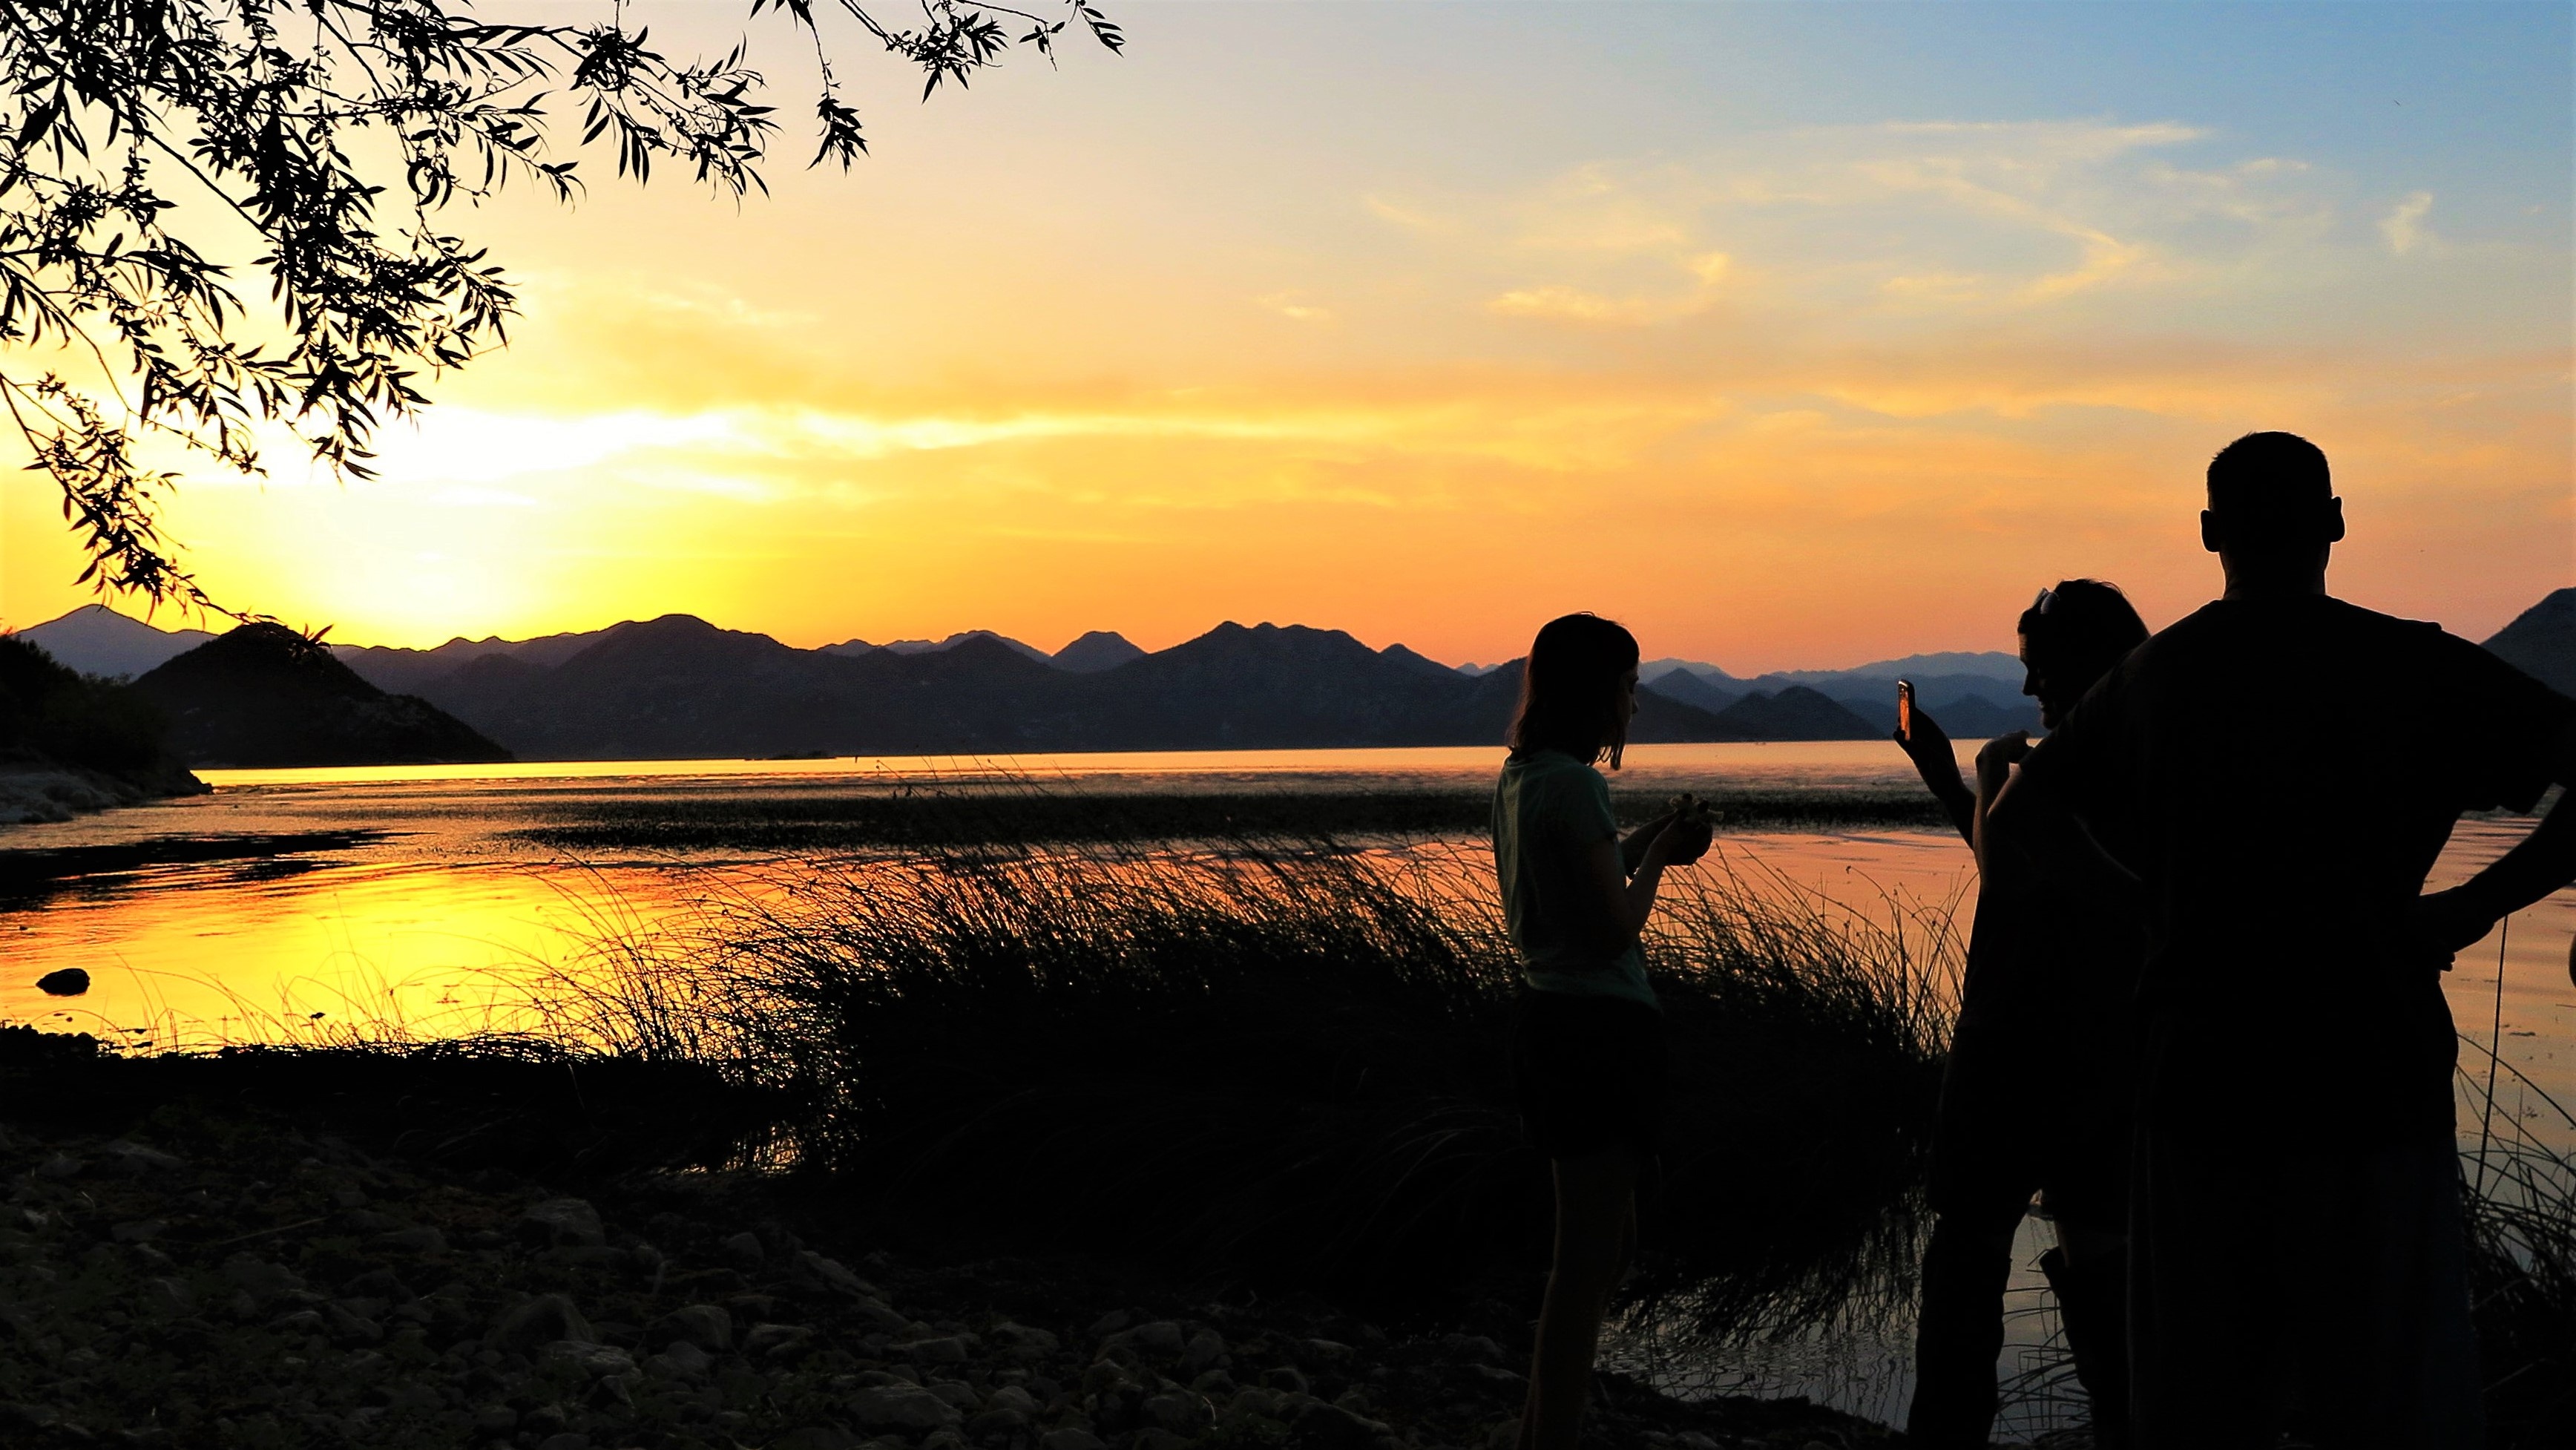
(1548,808)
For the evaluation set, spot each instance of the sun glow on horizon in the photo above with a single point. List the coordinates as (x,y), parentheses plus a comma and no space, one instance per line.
(1791,337)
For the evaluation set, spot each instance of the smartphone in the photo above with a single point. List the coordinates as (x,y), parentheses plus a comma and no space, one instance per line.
(1905,710)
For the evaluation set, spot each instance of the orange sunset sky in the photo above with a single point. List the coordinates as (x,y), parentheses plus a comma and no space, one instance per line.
(1794,335)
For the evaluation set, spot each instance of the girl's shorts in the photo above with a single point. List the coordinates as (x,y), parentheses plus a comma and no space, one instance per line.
(1589,1073)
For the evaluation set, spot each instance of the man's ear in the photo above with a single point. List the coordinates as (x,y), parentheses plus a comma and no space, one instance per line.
(2334,528)
(2209,530)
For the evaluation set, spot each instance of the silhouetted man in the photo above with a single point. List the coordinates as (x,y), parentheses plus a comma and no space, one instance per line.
(2282,768)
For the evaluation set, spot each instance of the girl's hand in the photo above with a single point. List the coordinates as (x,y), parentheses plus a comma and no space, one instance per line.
(1930,749)
(1684,842)
(1996,760)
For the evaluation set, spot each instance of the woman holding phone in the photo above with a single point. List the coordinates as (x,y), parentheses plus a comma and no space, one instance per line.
(1588,1056)
(2036,1095)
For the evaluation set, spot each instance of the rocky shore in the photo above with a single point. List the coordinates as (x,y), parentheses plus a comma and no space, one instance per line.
(213,1278)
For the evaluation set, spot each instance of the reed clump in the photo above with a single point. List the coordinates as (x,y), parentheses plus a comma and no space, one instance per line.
(1287,1066)
(2521,1201)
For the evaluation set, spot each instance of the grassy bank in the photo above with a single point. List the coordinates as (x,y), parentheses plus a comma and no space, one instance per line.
(1286,1066)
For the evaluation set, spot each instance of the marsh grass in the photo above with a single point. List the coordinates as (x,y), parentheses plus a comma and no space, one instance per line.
(2522,1252)
(1284,1064)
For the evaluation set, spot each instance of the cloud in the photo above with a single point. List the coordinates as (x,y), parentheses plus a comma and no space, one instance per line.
(1286,305)
(2404,226)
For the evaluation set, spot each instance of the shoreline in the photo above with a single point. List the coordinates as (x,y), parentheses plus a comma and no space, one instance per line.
(182,1269)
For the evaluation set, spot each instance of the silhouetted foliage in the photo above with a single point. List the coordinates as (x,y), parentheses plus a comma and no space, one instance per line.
(62,715)
(140,139)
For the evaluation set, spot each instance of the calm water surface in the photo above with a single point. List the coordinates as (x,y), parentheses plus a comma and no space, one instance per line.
(441,920)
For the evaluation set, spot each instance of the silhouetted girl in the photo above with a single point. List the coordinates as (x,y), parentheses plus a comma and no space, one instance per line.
(2037,1095)
(1588,1036)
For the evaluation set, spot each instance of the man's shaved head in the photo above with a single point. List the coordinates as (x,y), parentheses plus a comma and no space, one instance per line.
(2272,516)
(2272,490)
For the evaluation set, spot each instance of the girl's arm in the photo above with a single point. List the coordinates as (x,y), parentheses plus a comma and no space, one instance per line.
(1620,902)
(1994,772)
(1938,764)
(1632,851)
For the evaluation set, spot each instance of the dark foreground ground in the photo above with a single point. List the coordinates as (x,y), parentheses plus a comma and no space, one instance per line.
(218,1273)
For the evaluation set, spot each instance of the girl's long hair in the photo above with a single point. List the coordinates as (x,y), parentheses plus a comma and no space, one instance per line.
(1570,689)
(2081,628)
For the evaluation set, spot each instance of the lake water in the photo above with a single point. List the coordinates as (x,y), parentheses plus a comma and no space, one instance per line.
(442,912)
(427,905)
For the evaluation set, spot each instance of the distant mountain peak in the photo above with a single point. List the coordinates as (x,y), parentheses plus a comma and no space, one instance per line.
(2541,641)
(1415,659)
(1101,649)
(96,640)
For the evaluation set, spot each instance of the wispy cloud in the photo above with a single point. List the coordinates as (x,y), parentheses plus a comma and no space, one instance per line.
(2404,225)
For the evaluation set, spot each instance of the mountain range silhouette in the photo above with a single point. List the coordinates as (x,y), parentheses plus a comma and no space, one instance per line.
(680,687)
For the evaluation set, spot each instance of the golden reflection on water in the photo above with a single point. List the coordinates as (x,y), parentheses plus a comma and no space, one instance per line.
(421,950)
(448,927)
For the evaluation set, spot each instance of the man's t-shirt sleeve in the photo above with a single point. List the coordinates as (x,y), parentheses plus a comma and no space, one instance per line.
(2511,726)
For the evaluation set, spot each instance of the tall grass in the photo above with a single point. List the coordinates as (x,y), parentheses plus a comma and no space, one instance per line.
(1287,1065)
(2522,1253)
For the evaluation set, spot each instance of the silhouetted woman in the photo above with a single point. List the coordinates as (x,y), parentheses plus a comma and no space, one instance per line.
(1588,1035)
(2036,1097)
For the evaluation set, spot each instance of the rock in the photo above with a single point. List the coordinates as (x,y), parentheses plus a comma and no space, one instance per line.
(742,1252)
(133,1160)
(813,1437)
(69,982)
(1160,1440)
(1160,1339)
(950,1350)
(955,1392)
(1069,1439)
(997,1423)
(777,1341)
(1254,1401)
(1204,1350)
(1021,1336)
(168,1298)
(565,1440)
(496,1420)
(1178,1411)
(539,1320)
(420,1240)
(1319,1426)
(260,1278)
(61,1165)
(379,1284)
(882,1315)
(349,1328)
(594,1360)
(704,1325)
(1470,1349)
(562,1223)
(1327,1350)
(904,1407)
(682,1361)
(1012,1397)
(1287,1379)
(139,1231)
(811,1273)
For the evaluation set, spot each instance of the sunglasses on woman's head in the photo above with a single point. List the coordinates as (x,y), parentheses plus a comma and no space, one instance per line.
(2047,597)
